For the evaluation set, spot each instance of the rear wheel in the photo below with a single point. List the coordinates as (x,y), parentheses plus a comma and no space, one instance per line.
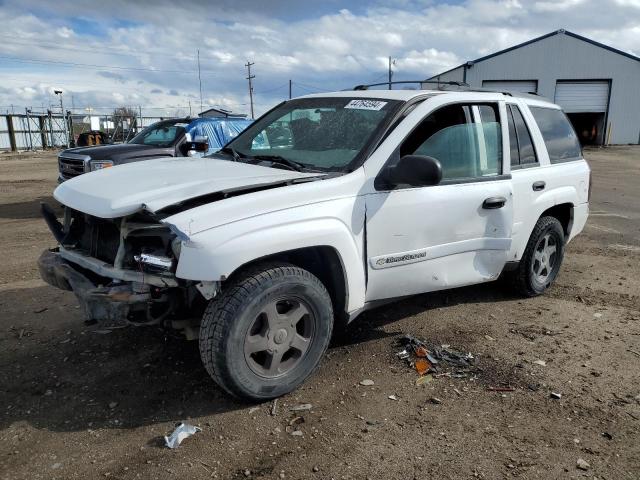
(268,332)
(542,258)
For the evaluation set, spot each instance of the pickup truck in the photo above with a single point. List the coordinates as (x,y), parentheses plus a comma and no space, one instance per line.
(177,137)
(364,197)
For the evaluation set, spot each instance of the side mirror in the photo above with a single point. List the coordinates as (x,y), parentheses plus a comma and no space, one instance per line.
(200,143)
(415,171)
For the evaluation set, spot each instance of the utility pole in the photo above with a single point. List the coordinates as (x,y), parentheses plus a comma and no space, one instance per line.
(289,89)
(189,107)
(250,77)
(200,80)
(139,126)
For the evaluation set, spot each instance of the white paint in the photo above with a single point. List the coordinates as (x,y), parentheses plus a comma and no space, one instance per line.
(575,97)
(154,184)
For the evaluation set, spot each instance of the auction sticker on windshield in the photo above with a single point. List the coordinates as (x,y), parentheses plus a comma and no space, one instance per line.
(365,104)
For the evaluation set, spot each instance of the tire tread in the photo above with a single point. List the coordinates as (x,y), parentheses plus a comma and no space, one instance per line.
(220,313)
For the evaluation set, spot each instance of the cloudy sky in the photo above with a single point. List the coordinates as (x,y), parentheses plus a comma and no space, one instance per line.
(143,53)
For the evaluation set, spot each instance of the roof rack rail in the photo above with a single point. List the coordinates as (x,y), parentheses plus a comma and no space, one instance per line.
(366,87)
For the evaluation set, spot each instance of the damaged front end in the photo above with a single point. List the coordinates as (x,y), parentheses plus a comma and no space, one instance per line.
(122,270)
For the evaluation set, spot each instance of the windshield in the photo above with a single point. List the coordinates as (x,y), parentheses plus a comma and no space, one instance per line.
(316,133)
(161,134)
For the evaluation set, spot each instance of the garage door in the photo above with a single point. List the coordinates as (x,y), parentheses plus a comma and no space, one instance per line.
(576,97)
(524,86)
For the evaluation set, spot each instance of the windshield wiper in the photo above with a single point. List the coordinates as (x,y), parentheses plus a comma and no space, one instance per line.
(297,166)
(230,150)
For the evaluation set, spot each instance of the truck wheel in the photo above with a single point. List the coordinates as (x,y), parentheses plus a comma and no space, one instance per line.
(542,258)
(267,332)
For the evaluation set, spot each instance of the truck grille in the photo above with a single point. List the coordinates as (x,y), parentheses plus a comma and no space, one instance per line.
(70,167)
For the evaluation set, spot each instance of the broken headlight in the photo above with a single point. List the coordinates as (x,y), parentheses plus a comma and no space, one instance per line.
(154,263)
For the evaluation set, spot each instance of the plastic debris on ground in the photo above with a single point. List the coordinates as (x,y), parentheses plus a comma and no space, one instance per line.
(182,431)
(437,360)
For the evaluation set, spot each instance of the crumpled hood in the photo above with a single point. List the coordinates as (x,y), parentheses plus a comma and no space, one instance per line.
(156,184)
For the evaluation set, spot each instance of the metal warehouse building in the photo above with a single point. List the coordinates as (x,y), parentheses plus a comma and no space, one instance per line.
(597,85)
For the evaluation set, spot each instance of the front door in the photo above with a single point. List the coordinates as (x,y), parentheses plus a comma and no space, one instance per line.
(452,234)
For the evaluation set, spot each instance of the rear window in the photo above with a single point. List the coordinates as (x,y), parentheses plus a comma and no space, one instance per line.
(559,136)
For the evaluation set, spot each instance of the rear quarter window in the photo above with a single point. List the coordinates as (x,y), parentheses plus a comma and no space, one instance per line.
(558,134)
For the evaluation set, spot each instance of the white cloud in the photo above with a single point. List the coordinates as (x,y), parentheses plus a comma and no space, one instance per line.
(331,50)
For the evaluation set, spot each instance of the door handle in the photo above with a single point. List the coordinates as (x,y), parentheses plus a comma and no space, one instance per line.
(537,186)
(494,202)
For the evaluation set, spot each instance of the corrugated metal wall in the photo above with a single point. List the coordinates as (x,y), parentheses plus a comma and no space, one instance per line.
(563,57)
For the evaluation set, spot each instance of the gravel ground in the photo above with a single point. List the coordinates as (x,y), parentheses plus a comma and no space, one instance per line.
(83,403)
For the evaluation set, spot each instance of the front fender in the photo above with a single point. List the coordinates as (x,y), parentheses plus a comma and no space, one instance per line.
(214,254)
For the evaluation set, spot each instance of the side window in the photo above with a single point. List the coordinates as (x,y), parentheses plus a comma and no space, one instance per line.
(559,136)
(466,139)
(513,139)
(525,145)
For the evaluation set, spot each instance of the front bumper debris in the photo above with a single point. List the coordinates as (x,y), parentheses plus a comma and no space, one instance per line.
(112,305)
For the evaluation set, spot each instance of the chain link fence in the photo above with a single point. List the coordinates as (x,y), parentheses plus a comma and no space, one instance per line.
(42,130)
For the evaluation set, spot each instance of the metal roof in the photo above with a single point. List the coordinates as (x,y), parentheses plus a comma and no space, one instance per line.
(537,39)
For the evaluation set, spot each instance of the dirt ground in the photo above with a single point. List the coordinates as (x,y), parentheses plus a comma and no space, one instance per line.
(79,402)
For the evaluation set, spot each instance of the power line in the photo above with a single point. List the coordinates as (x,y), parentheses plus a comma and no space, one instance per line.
(261,92)
(313,87)
(90,65)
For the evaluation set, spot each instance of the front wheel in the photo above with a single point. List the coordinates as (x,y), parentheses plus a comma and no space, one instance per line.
(267,333)
(542,258)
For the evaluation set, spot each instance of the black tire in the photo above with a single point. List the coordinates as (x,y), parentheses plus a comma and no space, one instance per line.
(524,278)
(225,331)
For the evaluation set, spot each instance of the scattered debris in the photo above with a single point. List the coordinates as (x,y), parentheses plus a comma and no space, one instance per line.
(424,380)
(367,383)
(597,315)
(489,337)
(403,355)
(542,363)
(253,410)
(296,421)
(274,407)
(392,397)
(607,435)
(247,473)
(40,310)
(182,431)
(435,400)
(582,464)
(113,405)
(501,389)
(421,352)
(301,408)
(297,433)
(315,469)
(434,359)
(458,392)
(555,396)
(422,366)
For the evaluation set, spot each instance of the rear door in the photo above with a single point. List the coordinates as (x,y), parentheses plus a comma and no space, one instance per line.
(452,234)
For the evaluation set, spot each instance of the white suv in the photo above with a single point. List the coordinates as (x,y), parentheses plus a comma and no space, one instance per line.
(326,206)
